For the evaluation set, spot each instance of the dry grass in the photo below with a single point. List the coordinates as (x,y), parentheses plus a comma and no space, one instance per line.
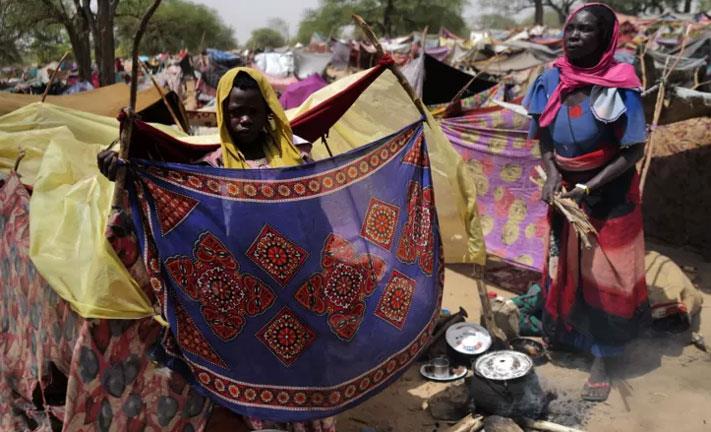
(570,210)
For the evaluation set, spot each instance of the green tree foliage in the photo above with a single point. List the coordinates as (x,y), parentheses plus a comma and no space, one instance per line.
(177,24)
(550,19)
(387,17)
(46,44)
(12,32)
(265,38)
(495,21)
(281,26)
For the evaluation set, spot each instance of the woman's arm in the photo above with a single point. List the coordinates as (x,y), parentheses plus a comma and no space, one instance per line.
(627,159)
(553,176)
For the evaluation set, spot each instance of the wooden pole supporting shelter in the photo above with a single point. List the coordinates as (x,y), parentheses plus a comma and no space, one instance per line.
(486,310)
(651,141)
(162,96)
(54,76)
(368,32)
(127,128)
(647,159)
(478,273)
(462,90)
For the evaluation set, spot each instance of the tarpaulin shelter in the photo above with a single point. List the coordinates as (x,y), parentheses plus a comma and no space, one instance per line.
(104,101)
(384,107)
(57,265)
(224,58)
(297,93)
(308,63)
(441,82)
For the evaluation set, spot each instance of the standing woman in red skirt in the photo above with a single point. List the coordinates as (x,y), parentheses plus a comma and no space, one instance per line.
(587,113)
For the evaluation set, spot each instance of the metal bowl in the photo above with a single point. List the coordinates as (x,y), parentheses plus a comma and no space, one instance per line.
(468,338)
(531,347)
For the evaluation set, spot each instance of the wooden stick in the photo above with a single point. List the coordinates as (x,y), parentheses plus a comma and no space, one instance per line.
(20,156)
(546,426)
(162,95)
(468,424)
(649,151)
(457,317)
(463,89)
(368,32)
(486,308)
(54,75)
(127,129)
(684,40)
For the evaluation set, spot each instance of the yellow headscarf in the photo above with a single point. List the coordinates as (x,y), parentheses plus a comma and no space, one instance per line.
(279,150)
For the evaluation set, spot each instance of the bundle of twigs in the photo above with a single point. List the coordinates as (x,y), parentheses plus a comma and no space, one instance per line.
(570,210)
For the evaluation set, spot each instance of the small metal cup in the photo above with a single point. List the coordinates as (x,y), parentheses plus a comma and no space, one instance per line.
(440,367)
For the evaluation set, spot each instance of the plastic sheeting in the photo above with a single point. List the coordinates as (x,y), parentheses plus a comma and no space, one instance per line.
(415,74)
(308,64)
(69,207)
(105,101)
(277,65)
(385,108)
(297,93)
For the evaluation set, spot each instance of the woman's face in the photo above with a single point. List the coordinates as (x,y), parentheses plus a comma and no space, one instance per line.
(582,38)
(246,114)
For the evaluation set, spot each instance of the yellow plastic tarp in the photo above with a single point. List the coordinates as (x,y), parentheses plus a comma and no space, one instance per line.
(385,108)
(105,101)
(69,207)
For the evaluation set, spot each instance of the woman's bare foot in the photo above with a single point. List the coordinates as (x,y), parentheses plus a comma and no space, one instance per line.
(597,388)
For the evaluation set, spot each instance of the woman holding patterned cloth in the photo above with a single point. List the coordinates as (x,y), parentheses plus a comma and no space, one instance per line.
(254,133)
(587,113)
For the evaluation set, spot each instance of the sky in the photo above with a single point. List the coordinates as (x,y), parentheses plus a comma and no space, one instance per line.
(245,16)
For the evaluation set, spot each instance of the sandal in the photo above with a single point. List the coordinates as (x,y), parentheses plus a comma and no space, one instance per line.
(596,392)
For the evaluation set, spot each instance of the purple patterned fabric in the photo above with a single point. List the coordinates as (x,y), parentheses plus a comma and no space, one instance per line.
(293,294)
(502,159)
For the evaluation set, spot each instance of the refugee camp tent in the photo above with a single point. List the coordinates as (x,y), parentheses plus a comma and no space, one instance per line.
(369,118)
(439,82)
(494,144)
(104,101)
(297,93)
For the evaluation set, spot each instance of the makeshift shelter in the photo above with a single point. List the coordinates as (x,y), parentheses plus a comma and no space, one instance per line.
(58,200)
(104,101)
(439,83)
(494,144)
(297,93)
(62,141)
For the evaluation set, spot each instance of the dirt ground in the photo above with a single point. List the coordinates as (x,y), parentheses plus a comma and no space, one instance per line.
(663,383)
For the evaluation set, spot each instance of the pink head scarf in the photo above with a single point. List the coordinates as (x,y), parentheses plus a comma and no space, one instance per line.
(607,73)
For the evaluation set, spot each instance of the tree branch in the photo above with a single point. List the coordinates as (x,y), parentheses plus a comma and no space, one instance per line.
(60,15)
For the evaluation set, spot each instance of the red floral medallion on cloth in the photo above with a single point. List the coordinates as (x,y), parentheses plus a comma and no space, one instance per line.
(213,279)
(340,290)
(417,239)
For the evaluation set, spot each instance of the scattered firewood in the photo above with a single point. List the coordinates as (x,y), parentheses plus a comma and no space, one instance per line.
(571,211)
(468,424)
(500,424)
(546,426)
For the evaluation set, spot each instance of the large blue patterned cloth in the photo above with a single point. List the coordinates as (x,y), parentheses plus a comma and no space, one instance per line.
(294,293)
